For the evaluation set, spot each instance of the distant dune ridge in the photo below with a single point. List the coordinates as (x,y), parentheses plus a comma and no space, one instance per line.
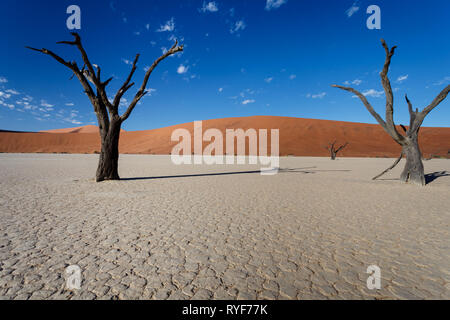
(84,129)
(298,137)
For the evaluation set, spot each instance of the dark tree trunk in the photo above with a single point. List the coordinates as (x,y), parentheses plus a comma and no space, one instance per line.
(333,150)
(413,171)
(109,156)
(107,110)
(333,155)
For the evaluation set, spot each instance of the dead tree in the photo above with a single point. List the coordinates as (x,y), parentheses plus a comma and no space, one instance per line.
(107,111)
(413,171)
(333,151)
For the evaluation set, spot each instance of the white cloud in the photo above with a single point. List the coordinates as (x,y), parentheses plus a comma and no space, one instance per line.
(238,26)
(402,78)
(70,104)
(147,26)
(441,82)
(292,76)
(168,26)
(7,105)
(209,7)
(353,9)
(316,96)
(182,69)
(220,89)
(274,4)
(268,80)
(3,80)
(73,121)
(150,91)
(247,101)
(126,61)
(356,82)
(5,95)
(29,107)
(373,93)
(123,102)
(12,91)
(46,105)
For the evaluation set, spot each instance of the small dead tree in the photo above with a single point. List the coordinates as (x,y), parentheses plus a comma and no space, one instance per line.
(109,120)
(333,151)
(413,171)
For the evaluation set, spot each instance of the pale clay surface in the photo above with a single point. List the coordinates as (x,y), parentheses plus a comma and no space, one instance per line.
(306,233)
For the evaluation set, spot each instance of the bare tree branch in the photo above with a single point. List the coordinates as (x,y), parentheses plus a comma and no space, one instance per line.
(72,66)
(388,124)
(107,82)
(90,72)
(330,146)
(410,108)
(441,96)
(390,168)
(126,85)
(421,115)
(412,113)
(403,128)
(366,104)
(142,90)
(341,147)
(84,56)
(389,96)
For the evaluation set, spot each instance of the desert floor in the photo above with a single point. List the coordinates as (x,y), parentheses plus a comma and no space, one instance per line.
(184,232)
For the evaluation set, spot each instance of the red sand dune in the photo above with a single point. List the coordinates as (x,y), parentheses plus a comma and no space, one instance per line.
(83,129)
(298,137)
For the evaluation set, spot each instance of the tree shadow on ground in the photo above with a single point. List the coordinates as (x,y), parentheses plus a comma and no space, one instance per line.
(430,177)
(303,170)
(192,175)
(281,170)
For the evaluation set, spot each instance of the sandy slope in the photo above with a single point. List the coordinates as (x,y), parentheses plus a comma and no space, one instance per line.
(83,129)
(301,137)
(185,232)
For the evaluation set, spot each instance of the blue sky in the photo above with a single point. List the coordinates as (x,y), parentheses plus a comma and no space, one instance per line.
(241,58)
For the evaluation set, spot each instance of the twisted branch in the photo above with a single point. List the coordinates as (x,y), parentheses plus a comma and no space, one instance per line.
(142,92)
(388,124)
(390,168)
